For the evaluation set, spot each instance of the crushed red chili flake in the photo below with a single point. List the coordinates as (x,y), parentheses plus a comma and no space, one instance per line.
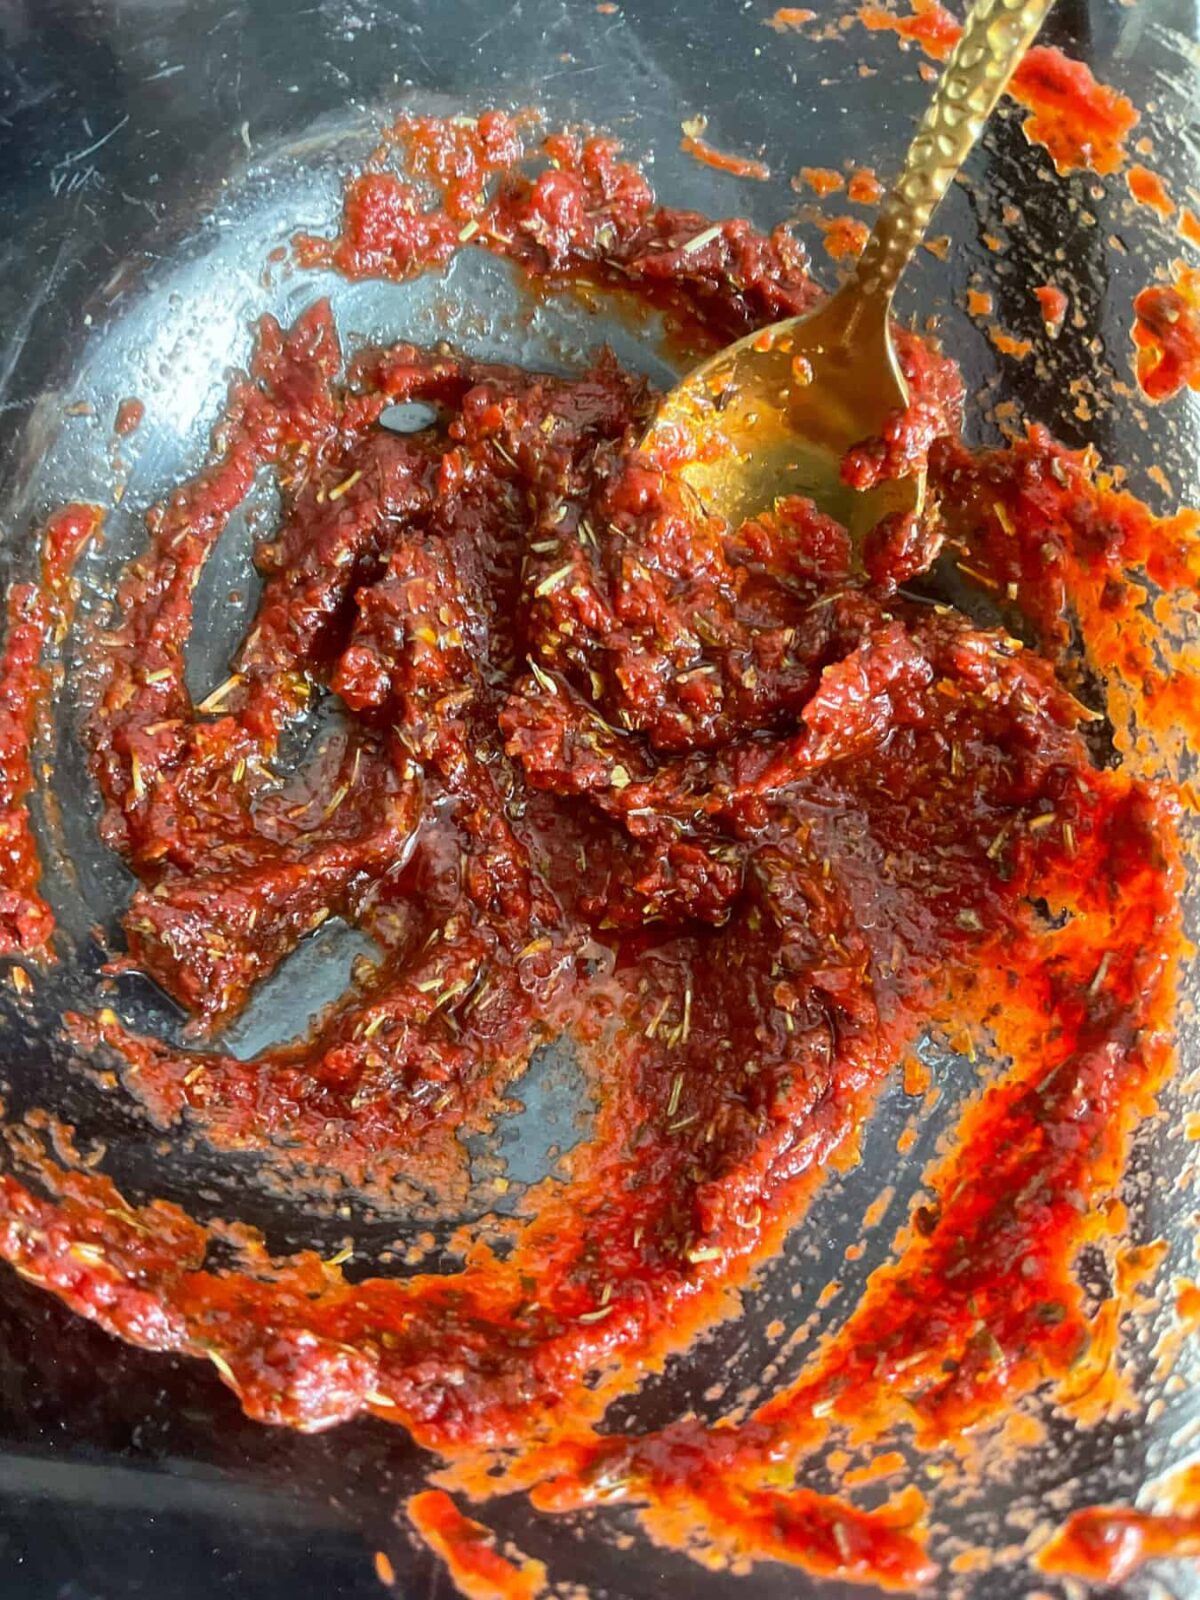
(734,811)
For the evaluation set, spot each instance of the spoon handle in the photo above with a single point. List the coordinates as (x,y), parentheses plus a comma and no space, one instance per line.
(995,36)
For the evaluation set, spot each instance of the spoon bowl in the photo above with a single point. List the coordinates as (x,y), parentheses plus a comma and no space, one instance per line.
(775,413)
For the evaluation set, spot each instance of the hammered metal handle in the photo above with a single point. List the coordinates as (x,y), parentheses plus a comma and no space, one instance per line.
(995,36)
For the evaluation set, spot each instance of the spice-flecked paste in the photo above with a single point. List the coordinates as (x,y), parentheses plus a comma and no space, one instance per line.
(738,810)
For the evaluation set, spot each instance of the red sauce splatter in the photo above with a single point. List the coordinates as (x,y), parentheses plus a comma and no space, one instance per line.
(844,237)
(786,19)
(864,187)
(1081,122)
(1107,1544)
(591,216)
(478,1569)
(1054,305)
(130,415)
(736,817)
(740,166)
(1166,332)
(928,24)
(1189,226)
(1149,190)
(821,180)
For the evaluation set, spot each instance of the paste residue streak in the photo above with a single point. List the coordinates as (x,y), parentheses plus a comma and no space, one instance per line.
(131,414)
(695,145)
(723,805)
(1106,1544)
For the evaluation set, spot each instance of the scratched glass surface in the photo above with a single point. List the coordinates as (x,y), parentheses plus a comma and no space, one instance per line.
(154,154)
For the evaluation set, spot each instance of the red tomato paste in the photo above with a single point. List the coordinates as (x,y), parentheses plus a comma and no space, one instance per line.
(735,809)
